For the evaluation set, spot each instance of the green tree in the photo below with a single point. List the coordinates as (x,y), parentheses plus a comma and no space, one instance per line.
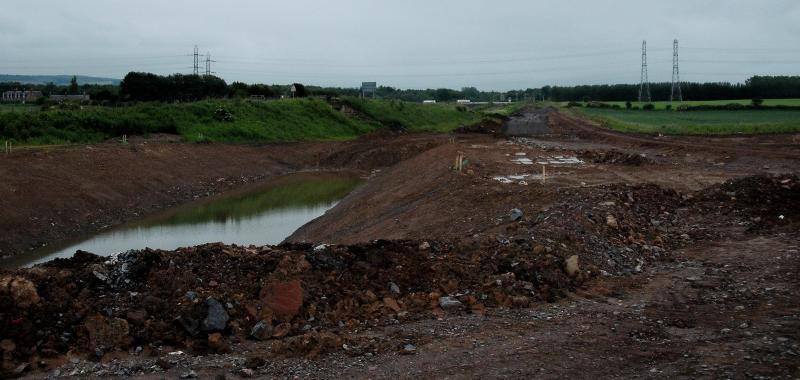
(73,85)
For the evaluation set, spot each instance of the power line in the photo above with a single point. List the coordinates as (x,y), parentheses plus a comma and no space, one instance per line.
(426,75)
(208,64)
(675,92)
(536,58)
(644,82)
(196,60)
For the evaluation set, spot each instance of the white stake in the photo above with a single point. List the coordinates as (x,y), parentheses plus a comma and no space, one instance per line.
(544,174)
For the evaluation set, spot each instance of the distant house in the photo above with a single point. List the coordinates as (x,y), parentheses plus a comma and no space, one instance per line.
(21,96)
(70,98)
(428,102)
(463,101)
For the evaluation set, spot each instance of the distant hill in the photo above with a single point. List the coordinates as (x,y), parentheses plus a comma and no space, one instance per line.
(60,80)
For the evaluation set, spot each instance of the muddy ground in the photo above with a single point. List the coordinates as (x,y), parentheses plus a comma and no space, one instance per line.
(633,257)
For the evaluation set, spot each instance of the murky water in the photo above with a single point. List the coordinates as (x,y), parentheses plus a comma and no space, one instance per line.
(264,215)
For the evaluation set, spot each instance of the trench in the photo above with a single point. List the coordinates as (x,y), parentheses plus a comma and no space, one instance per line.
(262,215)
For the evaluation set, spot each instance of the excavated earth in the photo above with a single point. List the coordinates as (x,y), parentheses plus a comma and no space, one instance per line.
(565,250)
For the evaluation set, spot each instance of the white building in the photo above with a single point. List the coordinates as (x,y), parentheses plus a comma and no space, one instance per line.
(21,96)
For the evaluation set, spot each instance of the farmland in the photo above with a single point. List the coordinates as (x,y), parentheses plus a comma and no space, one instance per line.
(661,105)
(706,122)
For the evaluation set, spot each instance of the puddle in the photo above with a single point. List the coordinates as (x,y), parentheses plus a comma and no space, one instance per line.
(264,215)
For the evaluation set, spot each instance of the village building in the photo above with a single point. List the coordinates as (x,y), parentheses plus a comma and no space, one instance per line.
(21,96)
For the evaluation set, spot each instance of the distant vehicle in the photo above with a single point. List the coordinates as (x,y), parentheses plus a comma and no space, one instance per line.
(428,102)
(463,101)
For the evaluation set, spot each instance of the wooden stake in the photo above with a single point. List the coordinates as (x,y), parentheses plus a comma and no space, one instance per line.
(544,174)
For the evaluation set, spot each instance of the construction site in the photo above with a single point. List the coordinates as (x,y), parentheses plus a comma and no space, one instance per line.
(542,246)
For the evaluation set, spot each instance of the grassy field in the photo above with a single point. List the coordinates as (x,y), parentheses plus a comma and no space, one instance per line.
(18,107)
(415,117)
(661,105)
(506,109)
(281,120)
(696,122)
(226,121)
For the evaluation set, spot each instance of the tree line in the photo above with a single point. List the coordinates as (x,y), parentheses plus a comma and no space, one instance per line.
(763,87)
(137,86)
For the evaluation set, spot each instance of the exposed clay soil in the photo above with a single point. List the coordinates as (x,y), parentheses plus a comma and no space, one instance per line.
(635,257)
(51,195)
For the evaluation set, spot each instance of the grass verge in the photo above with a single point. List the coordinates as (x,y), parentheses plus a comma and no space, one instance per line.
(415,117)
(206,121)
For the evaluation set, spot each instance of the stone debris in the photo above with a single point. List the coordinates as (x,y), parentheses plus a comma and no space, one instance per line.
(217,317)
(559,160)
(21,290)
(305,300)
(449,303)
(408,349)
(262,330)
(520,179)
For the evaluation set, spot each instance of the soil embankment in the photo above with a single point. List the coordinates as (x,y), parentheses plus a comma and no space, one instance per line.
(424,196)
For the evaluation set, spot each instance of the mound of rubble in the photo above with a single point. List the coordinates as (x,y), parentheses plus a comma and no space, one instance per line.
(490,126)
(303,299)
(615,157)
(203,298)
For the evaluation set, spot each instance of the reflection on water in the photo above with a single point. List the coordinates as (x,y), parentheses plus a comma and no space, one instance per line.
(266,215)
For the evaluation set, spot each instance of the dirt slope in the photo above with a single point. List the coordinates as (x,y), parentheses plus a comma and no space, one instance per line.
(424,196)
(55,194)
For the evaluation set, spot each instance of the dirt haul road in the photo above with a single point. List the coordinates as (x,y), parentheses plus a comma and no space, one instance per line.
(633,257)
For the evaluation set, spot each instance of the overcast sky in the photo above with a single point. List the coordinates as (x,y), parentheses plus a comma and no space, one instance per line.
(409,43)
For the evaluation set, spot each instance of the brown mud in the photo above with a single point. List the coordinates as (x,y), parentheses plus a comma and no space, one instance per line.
(633,257)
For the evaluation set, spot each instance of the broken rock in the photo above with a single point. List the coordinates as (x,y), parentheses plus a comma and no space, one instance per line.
(262,330)
(281,330)
(21,290)
(100,334)
(392,304)
(571,266)
(284,298)
(449,303)
(216,342)
(408,349)
(217,317)
(611,221)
